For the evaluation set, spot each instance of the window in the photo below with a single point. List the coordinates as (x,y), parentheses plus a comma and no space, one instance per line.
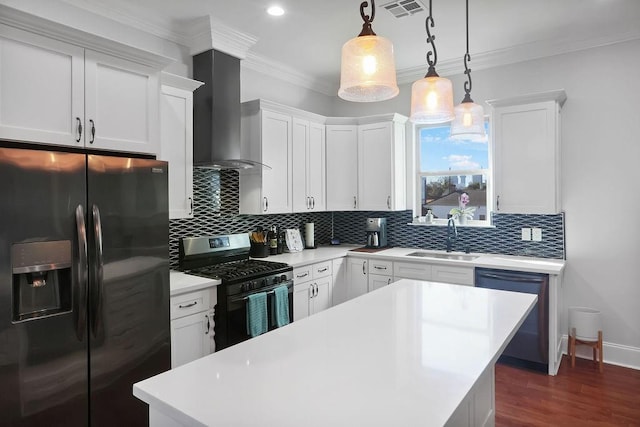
(447,168)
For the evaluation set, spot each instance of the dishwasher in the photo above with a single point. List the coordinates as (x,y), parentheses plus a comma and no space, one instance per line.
(529,347)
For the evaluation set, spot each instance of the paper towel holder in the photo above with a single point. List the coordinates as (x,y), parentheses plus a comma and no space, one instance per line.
(309,236)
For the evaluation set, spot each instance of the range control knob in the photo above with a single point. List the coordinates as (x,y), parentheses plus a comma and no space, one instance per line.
(283,278)
(276,280)
(263,283)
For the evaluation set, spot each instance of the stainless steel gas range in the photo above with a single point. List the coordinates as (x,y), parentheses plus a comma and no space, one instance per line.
(226,257)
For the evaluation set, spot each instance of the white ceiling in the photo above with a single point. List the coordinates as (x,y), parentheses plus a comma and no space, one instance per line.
(307,40)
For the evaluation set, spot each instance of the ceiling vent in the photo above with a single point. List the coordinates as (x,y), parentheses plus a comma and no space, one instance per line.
(403,8)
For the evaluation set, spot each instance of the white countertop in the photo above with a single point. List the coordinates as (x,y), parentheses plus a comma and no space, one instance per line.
(180,283)
(311,256)
(504,262)
(406,354)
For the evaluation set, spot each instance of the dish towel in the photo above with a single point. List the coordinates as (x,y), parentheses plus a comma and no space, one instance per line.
(257,314)
(280,306)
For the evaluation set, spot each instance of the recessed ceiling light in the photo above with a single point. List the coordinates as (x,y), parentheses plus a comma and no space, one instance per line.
(275,11)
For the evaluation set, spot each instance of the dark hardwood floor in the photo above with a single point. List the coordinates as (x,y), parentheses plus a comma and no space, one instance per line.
(579,396)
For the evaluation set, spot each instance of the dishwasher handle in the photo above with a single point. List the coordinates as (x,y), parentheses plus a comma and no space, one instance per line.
(512,277)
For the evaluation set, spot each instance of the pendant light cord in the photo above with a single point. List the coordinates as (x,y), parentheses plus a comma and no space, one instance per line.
(431,40)
(467,58)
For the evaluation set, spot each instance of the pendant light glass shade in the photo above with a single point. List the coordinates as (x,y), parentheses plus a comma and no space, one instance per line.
(468,122)
(368,71)
(432,100)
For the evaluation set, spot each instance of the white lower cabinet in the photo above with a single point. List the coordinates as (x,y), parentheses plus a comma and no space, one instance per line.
(459,275)
(380,274)
(340,280)
(357,277)
(312,288)
(192,326)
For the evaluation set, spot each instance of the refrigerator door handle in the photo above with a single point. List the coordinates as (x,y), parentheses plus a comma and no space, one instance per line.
(96,306)
(81,277)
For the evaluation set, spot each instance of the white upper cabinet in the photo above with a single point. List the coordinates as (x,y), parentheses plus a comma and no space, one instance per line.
(176,141)
(291,144)
(382,165)
(366,163)
(526,137)
(41,89)
(121,105)
(71,94)
(308,165)
(266,137)
(342,167)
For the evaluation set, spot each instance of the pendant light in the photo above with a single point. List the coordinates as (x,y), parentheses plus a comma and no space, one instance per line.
(469,116)
(368,71)
(432,96)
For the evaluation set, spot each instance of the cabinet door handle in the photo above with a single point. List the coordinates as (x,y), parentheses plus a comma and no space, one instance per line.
(190,205)
(311,290)
(315,285)
(498,203)
(377,267)
(313,202)
(364,265)
(93,131)
(389,202)
(266,204)
(389,281)
(208,324)
(188,305)
(355,202)
(308,202)
(79,127)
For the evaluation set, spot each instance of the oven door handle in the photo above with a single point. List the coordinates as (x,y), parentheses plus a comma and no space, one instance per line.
(271,290)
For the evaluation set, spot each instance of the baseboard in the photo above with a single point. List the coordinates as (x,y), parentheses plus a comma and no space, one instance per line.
(615,354)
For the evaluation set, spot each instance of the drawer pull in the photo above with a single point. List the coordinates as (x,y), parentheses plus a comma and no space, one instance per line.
(299,276)
(188,305)
(379,267)
(322,270)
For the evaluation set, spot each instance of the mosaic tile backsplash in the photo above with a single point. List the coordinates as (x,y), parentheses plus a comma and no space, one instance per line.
(216,203)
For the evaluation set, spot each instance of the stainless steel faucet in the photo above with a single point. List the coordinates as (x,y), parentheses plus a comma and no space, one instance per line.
(451,226)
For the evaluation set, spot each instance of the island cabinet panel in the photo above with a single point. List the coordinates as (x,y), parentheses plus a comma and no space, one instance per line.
(526,163)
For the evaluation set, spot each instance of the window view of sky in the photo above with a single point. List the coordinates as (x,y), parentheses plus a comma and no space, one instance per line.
(441,153)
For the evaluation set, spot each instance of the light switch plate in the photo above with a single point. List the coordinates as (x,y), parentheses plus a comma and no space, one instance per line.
(536,234)
(526,234)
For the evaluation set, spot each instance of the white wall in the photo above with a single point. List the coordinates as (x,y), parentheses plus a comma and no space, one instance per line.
(600,173)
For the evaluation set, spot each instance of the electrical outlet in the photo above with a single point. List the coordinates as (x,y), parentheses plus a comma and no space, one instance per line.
(536,234)
(526,234)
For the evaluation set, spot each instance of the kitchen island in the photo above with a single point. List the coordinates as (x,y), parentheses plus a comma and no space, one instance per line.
(411,353)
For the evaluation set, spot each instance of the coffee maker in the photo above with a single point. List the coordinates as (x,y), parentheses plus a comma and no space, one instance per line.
(376,232)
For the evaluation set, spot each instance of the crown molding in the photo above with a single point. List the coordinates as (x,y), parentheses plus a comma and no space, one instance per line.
(288,74)
(514,55)
(207,33)
(54,30)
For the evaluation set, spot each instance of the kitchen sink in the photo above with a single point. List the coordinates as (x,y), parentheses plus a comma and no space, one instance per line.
(457,257)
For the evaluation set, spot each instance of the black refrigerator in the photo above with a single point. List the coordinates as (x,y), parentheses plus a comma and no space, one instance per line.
(84,286)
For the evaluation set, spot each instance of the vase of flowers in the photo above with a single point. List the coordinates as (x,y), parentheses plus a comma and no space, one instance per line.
(462,213)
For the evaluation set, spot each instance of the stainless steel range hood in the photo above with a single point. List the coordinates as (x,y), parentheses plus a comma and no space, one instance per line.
(216,112)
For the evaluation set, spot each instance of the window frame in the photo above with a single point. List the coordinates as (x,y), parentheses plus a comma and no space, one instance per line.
(418,175)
